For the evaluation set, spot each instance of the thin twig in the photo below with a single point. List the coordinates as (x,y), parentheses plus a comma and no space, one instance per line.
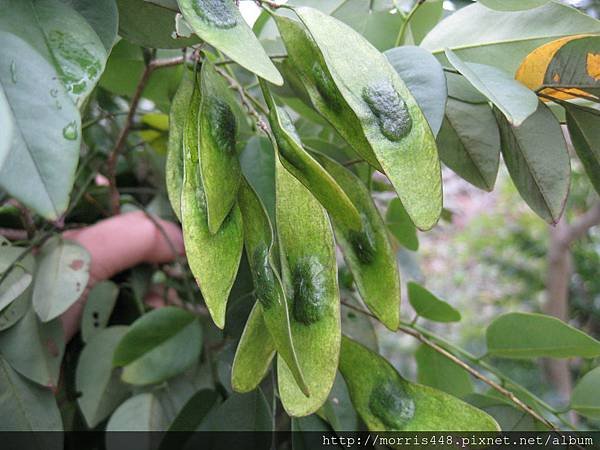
(225,62)
(406,22)
(135,100)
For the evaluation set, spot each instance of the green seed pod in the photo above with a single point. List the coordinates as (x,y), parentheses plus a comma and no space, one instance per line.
(309,272)
(213,258)
(219,166)
(174,164)
(387,402)
(368,252)
(258,238)
(306,169)
(254,353)
(373,109)
(219,13)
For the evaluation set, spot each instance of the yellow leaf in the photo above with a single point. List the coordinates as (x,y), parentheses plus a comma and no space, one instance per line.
(532,70)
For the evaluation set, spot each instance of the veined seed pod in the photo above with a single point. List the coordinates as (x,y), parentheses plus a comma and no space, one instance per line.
(213,258)
(310,277)
(258,238)
(356,89)
(388,402)
(368,252)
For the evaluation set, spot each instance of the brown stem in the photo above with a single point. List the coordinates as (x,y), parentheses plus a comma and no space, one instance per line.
(122,138)
(13,234)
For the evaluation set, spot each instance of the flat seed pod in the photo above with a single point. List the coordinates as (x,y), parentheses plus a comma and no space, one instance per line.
(306,169)
(310,278)
(213,258)
(219,165)
(258,239)
(220,24)
(254,353)
(174,164)
(387,402)
(359,92)
(368,253)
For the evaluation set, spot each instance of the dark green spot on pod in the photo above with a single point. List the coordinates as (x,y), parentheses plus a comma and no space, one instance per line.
(223,125)
(363,242)
(389,108)
(219,13)
(265,290)
(391,404)
(309,290)
(326,86)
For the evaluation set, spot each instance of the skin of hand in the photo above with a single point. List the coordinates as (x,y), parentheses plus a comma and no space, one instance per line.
(117,244)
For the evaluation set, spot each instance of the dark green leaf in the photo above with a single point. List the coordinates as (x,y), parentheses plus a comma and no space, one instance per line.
(221,25)
(429,306)
(538,161)
(526,335)
(584,128)
(439,372)
(400,225)
(469,143)
(586,395)
(516,102)
(103,17)
(159,345)
(424,77)
(96,379)
(258,166)
(241,412)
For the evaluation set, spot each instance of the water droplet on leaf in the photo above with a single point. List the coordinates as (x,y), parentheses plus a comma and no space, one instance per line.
(70,131)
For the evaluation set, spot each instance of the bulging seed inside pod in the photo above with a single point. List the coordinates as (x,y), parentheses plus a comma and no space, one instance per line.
(389,108)
(266,293)
(391,404)
(309,290)
(223,126)
(363,242)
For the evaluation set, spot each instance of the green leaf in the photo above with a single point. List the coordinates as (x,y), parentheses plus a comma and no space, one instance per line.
(19,278)
(400,225)
(469,143)
(25,406)
(310,280)
(194,411)
(103,17)
(95,378)
(241,412)
(509,418)
(219,132)
(258,166)
(174,163)
(584,130)
(429,306)
(149,25)
(526,335)
(213,258)
(98,308)
(306,169)
(47,134)
(221,25)
(424,77)
(254,353)
(368,252)
(356,89)
(515,101)
(502,39)
(513,5)
(585,398)
(425,18)
(158,346)
(34,349)
(259,242)
(439,372)
(142,412)
(16,310)
(357,326)
(63,37)
(576,64)
(61,276)
(8,125)
(388,402)
(537,159)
